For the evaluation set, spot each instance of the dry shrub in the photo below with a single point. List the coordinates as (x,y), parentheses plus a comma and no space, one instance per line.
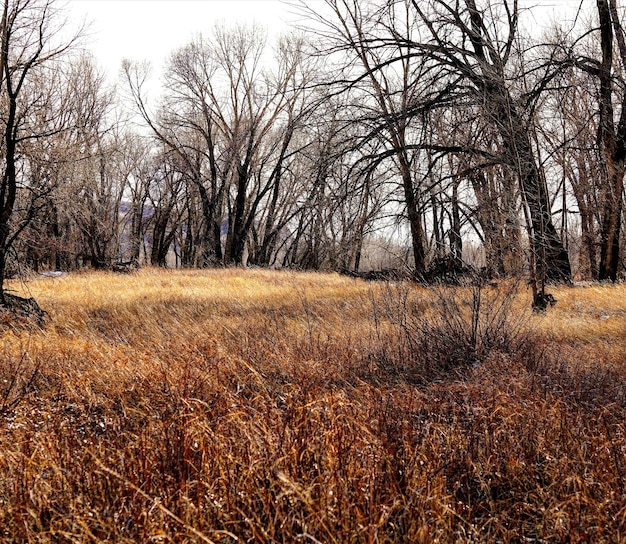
(446,329)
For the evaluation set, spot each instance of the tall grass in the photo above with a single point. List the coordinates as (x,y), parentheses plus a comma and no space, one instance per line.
(240,406)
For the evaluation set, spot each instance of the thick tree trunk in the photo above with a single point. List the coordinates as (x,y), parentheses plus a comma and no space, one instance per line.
(8,190)
(613,141)
(551,257)
(611,226)
(237,231)
(415,219)
(210,238)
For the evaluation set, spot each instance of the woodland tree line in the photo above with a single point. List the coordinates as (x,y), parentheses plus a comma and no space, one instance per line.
(452,130)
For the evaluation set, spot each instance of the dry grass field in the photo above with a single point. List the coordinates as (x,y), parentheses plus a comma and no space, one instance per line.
(257,406)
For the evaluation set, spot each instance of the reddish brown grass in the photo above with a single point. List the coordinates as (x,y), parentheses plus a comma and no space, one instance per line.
(240,406)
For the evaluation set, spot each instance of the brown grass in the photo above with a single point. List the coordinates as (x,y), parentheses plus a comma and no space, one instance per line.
(240,406)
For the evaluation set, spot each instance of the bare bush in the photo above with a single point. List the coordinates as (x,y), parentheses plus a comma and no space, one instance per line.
(448,328)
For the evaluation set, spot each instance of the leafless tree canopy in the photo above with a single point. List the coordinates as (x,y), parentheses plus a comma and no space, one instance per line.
(429,138)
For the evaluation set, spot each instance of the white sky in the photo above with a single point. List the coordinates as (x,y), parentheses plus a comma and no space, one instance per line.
(152,29)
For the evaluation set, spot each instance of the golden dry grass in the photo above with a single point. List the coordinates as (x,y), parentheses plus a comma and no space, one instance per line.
(248,405)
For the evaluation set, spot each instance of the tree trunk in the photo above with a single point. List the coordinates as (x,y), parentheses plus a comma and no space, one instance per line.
(613,143)
(415,220)
(551,257)
(456,242)
(238,242)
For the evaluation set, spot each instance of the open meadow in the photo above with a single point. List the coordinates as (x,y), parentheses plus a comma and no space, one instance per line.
(260,406)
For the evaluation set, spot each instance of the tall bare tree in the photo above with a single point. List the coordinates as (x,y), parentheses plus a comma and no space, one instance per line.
(29,51)
(478,43)
(611,132)
(394,88)
(231,120)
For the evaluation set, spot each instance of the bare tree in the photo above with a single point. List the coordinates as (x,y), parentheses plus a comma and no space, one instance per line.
(611,130)
(232,122)
(137,165)
(477,43)
(394,90)
(166,203)
(98,180)
(570,136)
(28,54)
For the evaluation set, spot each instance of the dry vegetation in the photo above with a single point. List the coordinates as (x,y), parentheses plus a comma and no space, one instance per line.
(240,406)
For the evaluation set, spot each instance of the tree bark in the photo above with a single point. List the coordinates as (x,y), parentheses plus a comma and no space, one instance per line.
(613,141)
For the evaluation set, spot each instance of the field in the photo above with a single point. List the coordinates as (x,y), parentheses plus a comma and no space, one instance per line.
(258,406)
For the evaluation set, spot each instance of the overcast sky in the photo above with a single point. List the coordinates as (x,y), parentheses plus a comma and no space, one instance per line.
(152,29)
